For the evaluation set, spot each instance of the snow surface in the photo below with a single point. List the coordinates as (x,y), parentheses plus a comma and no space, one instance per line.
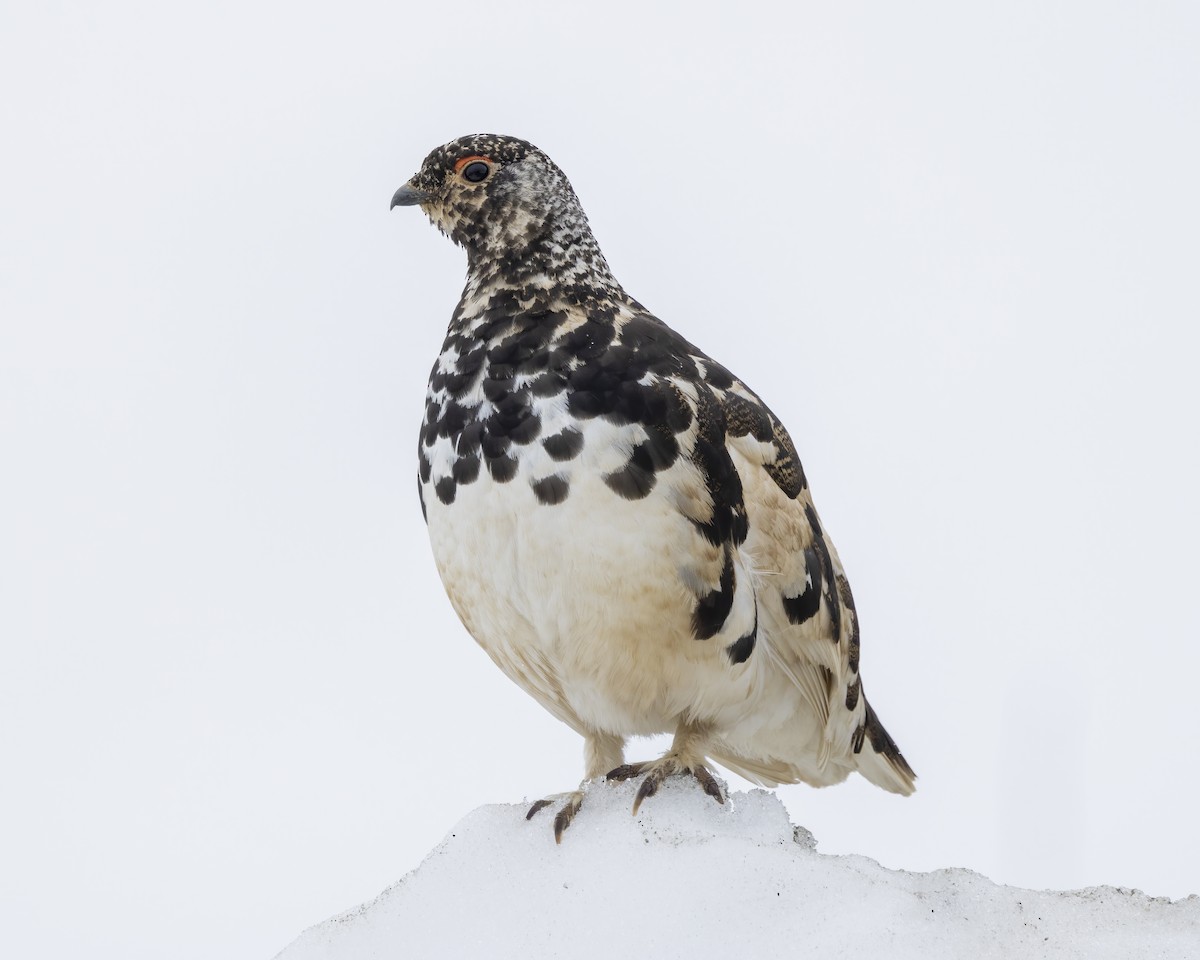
(690,878)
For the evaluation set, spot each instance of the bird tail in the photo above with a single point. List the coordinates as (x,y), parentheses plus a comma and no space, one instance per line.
(878,757)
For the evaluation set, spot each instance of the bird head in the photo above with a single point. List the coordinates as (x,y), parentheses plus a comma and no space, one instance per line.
(496,196)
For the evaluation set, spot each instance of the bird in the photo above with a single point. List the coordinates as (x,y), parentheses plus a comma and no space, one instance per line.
(621,523)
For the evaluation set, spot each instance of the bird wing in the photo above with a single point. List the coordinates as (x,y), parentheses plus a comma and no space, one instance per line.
(749,501)
(803,594)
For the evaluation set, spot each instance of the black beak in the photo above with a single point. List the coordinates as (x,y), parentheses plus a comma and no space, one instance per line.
(408,196)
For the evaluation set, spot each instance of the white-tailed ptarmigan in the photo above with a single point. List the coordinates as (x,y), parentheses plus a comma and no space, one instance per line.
(620,522)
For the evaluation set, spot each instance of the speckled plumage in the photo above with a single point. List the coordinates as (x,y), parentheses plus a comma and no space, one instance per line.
(620,522)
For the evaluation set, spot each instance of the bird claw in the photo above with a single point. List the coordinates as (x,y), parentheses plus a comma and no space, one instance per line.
(627,770)
(649,787)
(709,783)
(566,813)
(659,770)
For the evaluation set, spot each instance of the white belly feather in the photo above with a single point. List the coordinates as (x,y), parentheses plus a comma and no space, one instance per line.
(586,603)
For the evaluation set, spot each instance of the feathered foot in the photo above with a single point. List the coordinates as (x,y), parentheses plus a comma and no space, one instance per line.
(600,752)
(657,771)
(566,813)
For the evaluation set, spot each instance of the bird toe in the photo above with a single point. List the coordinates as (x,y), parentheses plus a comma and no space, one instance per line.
(571,804)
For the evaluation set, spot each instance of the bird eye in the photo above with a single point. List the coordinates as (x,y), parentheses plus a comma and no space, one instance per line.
(476,171)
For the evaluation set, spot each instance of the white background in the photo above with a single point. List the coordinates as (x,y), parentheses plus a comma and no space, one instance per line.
(954,247)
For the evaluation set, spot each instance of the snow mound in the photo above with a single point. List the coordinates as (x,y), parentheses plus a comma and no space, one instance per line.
(688,877)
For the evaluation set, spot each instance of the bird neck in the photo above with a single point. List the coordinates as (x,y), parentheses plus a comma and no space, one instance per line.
(557,270)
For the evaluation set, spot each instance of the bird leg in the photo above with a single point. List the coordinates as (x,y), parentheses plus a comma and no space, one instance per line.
(600,752)
(686,757)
